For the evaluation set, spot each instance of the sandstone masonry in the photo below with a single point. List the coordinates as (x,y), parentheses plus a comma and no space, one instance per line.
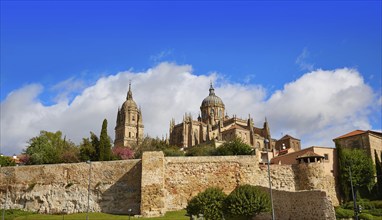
(157,184)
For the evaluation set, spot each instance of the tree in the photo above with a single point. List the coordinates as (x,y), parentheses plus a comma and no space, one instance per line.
(362,171)
(6,161)
(378,168)
(246,201)
(122,153)
(104,143)
(50,148)
(87,150)
(234,147)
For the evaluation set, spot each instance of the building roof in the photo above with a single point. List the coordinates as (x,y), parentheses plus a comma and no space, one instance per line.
(212,99)
(287,136)
(235,126)
(309,154)
(358,132)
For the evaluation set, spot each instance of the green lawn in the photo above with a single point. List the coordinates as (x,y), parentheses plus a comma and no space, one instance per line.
(177,215)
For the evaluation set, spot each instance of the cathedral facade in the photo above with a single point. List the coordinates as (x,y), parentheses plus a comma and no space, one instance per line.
(129,125)
(215,125)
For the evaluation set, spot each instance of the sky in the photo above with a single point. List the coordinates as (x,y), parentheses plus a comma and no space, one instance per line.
(314,68)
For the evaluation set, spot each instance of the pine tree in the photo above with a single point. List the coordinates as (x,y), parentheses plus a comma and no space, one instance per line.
(104,143)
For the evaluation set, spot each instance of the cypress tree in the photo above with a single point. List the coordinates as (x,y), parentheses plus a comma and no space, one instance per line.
(378,168)
(104,143)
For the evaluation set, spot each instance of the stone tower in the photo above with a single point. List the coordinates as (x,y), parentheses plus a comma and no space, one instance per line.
(129,128)
(212,108)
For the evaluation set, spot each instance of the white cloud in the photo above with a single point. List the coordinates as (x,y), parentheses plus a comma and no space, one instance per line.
(315,108)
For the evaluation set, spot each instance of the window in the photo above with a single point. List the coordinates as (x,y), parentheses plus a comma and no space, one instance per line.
(326,156)
(129,134)
(133,118)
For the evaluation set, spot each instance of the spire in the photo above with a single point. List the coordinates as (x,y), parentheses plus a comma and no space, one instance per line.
(212,90)
(129,93)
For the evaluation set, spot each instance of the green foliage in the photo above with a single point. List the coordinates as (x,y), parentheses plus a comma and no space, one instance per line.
(362,170)
(11,214)
(378,168)
(88,150)
(247,201)
(50,148)
(173,152)
(344,213)
(234,147)
(209,203)
(6,161)
(104,143)
(153,144)
(366,216)
(205,149)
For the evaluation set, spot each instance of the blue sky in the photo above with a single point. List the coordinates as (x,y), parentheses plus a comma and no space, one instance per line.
(266,44)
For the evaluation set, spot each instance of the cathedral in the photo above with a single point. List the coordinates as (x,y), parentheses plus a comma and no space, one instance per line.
(129,125)
(215,125)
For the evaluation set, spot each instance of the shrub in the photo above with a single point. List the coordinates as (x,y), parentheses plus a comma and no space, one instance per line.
(377,204)
(209,203)
(173,152)
(246,201)
(366,216)
(201,150)
(344,213)
(234,147)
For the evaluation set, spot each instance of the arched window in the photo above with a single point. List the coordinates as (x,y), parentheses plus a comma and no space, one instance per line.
(129,134)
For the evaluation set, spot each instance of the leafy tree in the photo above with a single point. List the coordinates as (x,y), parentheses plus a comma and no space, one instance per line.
(94,140)
(151,144)
(209,203)
(246,201)
(362,171)
(104,143)
(49,148)
(6,161)
(87,150)
(234,147)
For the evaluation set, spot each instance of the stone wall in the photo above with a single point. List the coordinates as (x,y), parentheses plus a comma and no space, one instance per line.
(114,187)
(312,205)
(149,187)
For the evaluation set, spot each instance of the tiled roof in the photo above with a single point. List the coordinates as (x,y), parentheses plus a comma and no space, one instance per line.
(310,154)
(353,133)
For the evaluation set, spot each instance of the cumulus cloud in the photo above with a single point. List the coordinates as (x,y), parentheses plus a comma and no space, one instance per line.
(317,107)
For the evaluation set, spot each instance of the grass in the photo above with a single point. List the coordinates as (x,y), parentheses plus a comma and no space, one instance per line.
(176,215)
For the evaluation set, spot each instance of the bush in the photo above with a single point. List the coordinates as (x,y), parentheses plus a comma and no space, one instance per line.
(375,212)
(173,152)
(234,147)
(246,201)
(209,203)
(377,204)
(366,216)
(344,213)
(201,150)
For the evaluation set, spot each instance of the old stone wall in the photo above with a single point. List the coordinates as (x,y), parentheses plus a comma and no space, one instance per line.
(150,186)
(114,187)
(312,205)
(185,177)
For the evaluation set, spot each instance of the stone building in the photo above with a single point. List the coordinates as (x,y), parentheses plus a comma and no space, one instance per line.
(129,125)
(288,144)
(326,156)
(215,125)
(371,141)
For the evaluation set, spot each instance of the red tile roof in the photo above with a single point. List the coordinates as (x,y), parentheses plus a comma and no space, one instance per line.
(353,133)
(309,154)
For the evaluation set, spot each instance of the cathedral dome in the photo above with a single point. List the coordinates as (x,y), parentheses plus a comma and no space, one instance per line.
(212,99)
(129,103)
